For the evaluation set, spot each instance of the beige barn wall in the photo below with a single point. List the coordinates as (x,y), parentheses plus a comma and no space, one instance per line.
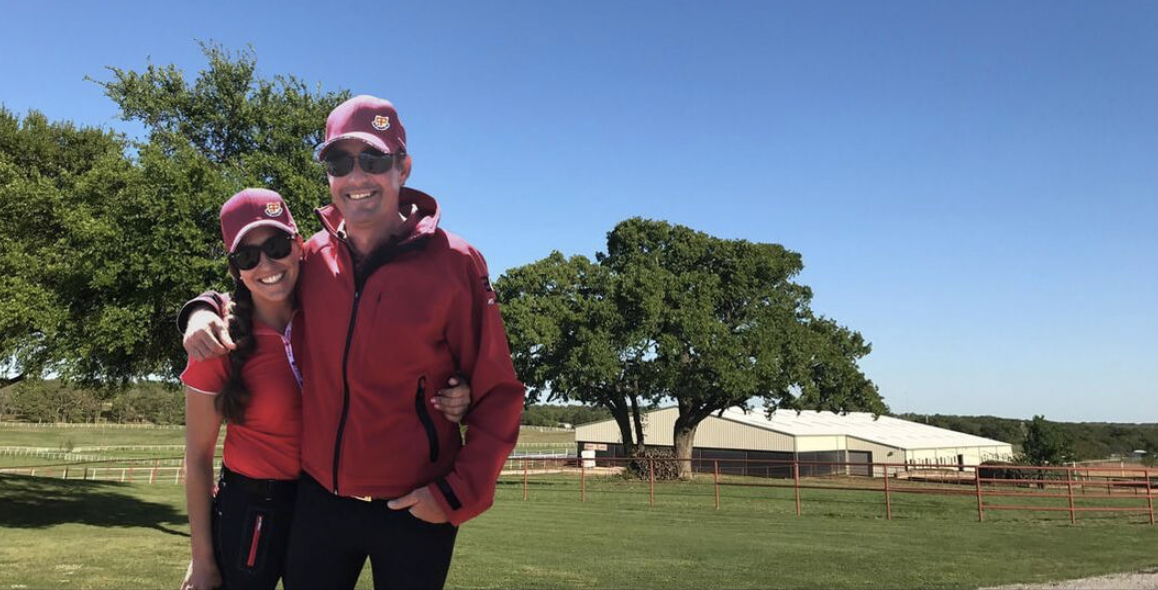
(713,432)
(880,454)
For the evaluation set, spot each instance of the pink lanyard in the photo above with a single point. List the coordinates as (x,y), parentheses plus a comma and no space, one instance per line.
(289,353)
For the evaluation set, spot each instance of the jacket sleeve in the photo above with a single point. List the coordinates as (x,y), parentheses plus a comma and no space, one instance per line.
(211,300)
(478,341)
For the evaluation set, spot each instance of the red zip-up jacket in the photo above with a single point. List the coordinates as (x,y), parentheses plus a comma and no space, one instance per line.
(380,342)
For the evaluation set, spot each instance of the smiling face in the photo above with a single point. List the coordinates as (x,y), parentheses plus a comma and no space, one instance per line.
(368,202)
(272,281)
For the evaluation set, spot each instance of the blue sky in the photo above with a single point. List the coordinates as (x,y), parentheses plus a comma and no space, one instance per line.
(973,185)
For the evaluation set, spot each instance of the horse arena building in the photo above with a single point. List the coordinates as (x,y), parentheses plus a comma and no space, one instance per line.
(824,443)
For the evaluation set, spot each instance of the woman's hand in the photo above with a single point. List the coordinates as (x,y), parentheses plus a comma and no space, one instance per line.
(201,575)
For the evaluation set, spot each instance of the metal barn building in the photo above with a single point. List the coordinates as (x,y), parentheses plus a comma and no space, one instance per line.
(809,437)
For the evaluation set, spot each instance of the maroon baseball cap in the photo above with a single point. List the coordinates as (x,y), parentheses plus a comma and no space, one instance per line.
(369,119)
(253,208)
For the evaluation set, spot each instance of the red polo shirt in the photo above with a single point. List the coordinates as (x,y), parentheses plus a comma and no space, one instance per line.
(268,444)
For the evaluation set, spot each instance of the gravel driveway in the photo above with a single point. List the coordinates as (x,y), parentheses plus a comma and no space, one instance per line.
(1146,579)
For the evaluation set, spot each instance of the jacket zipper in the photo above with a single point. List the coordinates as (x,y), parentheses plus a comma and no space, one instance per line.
(424,416)
(345,385)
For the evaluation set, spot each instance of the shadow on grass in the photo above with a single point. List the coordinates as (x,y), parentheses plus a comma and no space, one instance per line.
(37,502)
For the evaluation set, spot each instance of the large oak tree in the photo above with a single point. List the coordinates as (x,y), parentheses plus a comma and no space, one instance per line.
(671,313)
(102,238)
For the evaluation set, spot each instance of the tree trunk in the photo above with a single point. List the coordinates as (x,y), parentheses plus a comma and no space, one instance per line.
(640,443)
(623,420)
(685,436)
(5,382)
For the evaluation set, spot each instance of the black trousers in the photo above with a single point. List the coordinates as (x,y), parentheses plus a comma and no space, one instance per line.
(333,536)
(251,529)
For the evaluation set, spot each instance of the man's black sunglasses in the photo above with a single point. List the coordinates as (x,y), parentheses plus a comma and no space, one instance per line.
(249,256)
(339,163)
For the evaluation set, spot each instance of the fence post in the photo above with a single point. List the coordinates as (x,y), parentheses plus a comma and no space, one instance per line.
(651,479)
(153,475)
(47,472)
(716,480)
(888,497)
(582,480)
(1149,497)
(796,481)
(130,474)
(524,480)
(980,503)
(1070,488)
(85,474)
(65,476)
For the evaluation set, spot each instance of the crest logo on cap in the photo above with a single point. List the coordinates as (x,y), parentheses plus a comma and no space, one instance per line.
(273,209)
(381,122)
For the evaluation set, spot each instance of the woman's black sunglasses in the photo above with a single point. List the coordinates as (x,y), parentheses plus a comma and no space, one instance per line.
(249,256)
(339,163)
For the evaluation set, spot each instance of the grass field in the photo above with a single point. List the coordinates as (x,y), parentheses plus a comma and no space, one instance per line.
(84,534)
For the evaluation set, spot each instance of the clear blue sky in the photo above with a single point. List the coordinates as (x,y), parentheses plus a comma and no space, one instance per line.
(973,185)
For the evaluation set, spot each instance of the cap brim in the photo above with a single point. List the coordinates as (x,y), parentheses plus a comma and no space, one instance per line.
(256,224)
(367,138)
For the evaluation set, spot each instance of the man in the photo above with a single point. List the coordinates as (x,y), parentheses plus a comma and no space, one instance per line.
(392,305)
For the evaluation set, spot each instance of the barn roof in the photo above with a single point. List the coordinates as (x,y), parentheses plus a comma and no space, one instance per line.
(884,430)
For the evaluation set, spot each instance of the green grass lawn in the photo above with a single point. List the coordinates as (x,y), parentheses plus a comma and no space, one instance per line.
(74,534)
(69,437)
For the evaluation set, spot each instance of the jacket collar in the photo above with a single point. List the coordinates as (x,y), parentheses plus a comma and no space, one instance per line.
(421,211)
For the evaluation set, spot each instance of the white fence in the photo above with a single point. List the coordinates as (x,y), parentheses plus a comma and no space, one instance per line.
(108,425)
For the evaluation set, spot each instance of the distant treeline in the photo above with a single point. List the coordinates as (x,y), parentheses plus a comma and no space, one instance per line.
(546,415)
(1091,440)
(54,401)
(158,403)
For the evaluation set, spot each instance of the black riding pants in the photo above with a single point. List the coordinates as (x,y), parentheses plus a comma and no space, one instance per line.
(333,536)
(251,529)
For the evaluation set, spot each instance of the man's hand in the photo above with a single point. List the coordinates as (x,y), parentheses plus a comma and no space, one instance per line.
(207,336)
(201,576)
(453,401)
(422,506)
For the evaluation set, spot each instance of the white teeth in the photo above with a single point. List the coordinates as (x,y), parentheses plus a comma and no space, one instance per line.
(271,279)
(359,196)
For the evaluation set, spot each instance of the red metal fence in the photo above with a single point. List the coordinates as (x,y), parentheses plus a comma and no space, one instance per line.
(994,487)
(986,483)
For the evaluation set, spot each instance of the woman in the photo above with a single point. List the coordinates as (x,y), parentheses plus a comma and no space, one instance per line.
(239,535)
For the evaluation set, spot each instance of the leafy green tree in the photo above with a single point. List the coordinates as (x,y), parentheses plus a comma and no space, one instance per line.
(569,341)
(1045,443)
(102,239)
(669,312)
(727,324)
(53,401)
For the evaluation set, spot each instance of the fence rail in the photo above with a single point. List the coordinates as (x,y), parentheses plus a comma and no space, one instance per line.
(1065,485)
(108,425)
(1057,483)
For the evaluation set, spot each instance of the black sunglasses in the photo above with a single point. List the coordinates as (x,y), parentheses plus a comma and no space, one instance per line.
(275,248)
(339,163)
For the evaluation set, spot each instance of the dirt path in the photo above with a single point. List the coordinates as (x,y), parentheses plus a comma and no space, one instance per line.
(1143,580)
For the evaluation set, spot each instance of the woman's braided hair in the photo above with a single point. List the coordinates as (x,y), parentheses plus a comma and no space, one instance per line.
(234,397)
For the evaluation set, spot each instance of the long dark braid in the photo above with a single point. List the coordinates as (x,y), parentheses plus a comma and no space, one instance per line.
(234,398)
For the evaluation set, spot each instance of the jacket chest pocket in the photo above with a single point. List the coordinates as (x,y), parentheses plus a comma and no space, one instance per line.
(424,417)
(402,330)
